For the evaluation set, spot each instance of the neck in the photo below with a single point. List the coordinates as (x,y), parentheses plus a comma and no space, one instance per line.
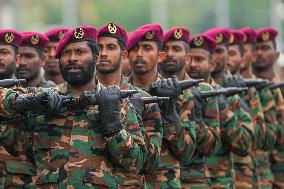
(144,80)
(265,74)
(109,79)
(218,76)
(35,82)
(57,79)
(247,72)
(90,86)
(180,74)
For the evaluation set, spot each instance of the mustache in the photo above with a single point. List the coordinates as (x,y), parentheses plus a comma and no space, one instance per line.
(168,59)
(73,65)
(104,60)
(140,61)
(2,64)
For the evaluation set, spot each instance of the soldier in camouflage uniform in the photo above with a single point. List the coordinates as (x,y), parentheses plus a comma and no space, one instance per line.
(266,56)
(17,166)
(32,59)
(220,55)
(176,46)
(51,65)
(144,47)
(267,141)
(234,136)
(83,147)
(112,44)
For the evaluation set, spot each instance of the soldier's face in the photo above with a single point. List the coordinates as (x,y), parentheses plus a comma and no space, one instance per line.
(51,66)
(176,56)
(144,56)
(234,59)
(266,56)
(200,65)
(77,63)
(219,57)
(29,66)
(248,56)
(7,61)
(110,55)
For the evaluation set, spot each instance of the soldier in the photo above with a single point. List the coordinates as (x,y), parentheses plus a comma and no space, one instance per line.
(16,164)
(234,137)
(112,40)
(220,57)
(51,65)
(85,146)
(268,138)
(32,59)
(144,48)
(266,56)
(176,46)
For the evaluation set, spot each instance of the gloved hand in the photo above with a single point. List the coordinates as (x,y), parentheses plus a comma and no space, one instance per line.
(166,88)
(108,100)
(198,103)
(43,102)
(234,81)
(138,104)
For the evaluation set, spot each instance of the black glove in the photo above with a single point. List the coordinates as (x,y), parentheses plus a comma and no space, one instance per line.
(166,88)
(138,104)
(43,102)
(198,103)
(108,100)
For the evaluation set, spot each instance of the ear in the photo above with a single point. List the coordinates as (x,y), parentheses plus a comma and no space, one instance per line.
(188,58)
(43,58)
(18,59)
(124,55)
(161,56)
(212,64)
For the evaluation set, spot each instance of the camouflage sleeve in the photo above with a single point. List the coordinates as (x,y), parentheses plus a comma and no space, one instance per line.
(277,95)
(242,136)
(208,136)
(256,113)
(182,143)
(127,147)
(270,118)
(153,133)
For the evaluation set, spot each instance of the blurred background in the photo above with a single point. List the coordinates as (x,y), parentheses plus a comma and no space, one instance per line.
(197,15)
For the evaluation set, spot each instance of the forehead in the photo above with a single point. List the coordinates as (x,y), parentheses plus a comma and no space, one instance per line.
(105,40)
(152,43)
(174,43)
(266,43)
(234,48)
(52,44)
(8,47)
(27,49)
(199,52)
(77,45)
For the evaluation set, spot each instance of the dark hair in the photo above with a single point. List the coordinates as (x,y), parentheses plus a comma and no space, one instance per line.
(274,44)
(241,48)
(120,41)
(94,47)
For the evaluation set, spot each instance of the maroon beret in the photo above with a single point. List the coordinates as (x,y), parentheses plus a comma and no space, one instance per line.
(250,35)
(148,32)
(80,33)
(204,42)
(236,37)
(35,40)
(221,35)
(56,34)
(113,30)
(176,33)
(10,37)
(266,34)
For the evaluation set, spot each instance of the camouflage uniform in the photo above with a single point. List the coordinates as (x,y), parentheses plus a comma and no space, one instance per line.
(277,155)
(243,162)
(235,137)
(71,152)
(193,171)
(176,148)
